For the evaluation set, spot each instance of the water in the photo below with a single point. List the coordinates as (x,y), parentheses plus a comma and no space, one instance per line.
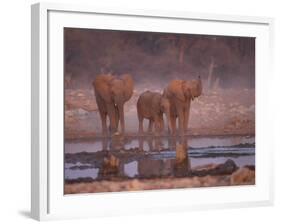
(148,157)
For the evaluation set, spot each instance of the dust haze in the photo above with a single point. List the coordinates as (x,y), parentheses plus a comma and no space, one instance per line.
(225,64)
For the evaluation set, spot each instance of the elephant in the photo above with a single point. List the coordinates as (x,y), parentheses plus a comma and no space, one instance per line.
(180,93)
(111,94)
(152,105)
(152,143)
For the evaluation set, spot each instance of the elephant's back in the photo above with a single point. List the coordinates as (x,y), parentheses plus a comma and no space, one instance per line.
(144,104)
(174,86)
(145,99)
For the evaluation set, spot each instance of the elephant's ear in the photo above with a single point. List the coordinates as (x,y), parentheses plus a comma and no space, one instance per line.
(102,87)
(195,87)
(128,86)
(188,93)
(175,88)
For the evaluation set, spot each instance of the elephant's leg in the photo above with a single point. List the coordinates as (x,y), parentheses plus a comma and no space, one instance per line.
(140,124)
(150,143)
(121,117)
(140,118)
(161,124)
(180,113)
(150,125)
(168,123)
(103,113)
(173,125)
(103,123)
(157,125)
(112,117)
(117,118)
(141,143)
(186,116)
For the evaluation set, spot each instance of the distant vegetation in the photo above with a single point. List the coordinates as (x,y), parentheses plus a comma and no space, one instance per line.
(219,60)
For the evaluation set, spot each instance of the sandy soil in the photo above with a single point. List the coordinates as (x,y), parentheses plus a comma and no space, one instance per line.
(218,112)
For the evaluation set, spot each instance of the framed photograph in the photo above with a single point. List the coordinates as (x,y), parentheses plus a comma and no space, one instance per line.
(138,111)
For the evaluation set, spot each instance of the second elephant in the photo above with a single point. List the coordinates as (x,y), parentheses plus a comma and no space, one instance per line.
(152,106)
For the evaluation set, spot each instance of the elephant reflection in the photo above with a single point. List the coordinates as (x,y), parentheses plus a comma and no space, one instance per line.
(173,141)
(104,142)
(182,161)
(151,168)
(112,166)
(116,142)
(178,165)
(152,143)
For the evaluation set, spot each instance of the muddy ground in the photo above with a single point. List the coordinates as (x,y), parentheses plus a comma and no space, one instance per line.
(242,176)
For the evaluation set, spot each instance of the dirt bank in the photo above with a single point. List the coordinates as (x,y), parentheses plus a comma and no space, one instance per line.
(219,112)
(242,176)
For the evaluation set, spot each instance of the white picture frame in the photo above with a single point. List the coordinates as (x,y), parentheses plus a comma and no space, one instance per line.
(48,201)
